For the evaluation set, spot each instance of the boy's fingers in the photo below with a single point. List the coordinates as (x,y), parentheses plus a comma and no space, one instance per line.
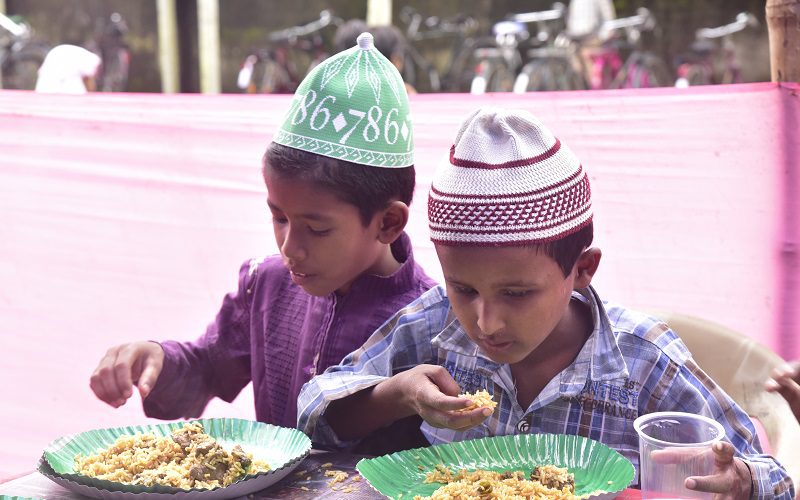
(444,381)
(676,455)
(122,372)
(710,484)
(148,378)
(103,380)
(458,420)
(723,453)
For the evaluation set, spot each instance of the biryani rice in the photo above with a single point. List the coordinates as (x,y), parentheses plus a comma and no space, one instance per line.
(187,459)
(480,399)
(483,484)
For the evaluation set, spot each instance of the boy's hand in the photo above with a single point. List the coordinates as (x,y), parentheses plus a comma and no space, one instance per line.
(786,382)
(731,477)
(123,366)
(432,393)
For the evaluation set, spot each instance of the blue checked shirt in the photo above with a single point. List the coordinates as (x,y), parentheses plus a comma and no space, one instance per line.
(631,365)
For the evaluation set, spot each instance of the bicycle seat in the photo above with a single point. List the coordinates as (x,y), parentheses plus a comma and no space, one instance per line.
(702,47)
(506,28)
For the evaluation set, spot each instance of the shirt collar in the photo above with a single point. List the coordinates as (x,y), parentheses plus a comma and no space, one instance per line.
(405,277)
(599,359)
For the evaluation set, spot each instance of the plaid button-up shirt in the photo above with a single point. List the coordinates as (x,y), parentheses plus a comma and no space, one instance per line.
(631,364)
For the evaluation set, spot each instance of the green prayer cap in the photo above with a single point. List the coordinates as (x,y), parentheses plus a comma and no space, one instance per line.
(353,106)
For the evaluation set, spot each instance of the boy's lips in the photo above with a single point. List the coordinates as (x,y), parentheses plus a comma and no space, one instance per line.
(300,278)
(493,345)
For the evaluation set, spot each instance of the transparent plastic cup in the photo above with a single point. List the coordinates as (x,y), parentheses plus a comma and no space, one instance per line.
(683,441)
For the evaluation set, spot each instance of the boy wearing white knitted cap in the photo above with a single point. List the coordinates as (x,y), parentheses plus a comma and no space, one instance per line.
(340,177)
(510,216)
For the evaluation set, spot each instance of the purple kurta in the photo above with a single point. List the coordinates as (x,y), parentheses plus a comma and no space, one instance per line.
(277,335)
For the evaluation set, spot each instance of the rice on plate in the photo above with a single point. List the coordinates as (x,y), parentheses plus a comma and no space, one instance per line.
(187,459)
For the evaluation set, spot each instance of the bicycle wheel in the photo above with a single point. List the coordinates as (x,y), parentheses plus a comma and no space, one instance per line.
(21,68)
(642,72)
(500,78)
(698,75)
(538,76)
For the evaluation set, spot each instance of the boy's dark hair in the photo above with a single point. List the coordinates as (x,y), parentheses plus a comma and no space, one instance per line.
(370,189)
(565,251)
(346,35)
(389,41)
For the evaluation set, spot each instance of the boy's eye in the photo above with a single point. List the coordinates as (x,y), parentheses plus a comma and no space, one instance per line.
(516,293)
(462,290)
(277,219)
(319,232)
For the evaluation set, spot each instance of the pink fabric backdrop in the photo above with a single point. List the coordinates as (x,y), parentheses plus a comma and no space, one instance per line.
(126,217)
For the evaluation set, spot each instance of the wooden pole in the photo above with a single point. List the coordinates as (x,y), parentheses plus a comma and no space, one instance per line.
(168,46)
(208,43)
(379,12)
(783,22)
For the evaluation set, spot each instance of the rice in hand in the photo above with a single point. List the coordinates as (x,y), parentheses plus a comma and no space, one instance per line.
(480,399)
(187,459)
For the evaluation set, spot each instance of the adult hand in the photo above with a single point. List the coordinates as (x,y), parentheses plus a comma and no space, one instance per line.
(730,478)
(786,382)
(433,395)
(126,365)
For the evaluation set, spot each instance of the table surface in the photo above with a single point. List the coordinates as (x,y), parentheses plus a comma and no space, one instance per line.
(307,481)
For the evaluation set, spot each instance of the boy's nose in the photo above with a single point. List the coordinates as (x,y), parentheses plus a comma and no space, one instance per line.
(292,248)
(489,321)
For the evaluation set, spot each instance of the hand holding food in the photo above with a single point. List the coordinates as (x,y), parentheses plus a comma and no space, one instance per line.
(433,394)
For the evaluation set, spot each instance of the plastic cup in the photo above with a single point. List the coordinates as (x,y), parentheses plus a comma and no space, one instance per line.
(683,443)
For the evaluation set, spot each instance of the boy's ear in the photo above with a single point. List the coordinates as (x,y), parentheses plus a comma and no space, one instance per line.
(586,266)
(393,221)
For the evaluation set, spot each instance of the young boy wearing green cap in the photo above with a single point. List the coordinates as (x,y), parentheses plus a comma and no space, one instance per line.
(510,217)
(340,178)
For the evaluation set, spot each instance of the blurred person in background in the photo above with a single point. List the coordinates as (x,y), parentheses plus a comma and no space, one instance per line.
(68,69)
(391,42)
(786,382)
(584,22)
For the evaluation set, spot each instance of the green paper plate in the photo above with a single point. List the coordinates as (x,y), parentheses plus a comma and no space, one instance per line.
(599,471)
(282,448)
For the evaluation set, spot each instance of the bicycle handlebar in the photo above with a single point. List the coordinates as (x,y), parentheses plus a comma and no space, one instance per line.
(326,18)
(18,30)
(643,19)
(557,12)
(434,26)
(743,20)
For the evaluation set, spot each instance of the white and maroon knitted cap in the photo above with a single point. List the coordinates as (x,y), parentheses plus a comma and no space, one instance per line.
(509,182)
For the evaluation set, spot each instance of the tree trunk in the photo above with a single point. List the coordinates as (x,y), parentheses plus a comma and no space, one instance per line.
(783,21)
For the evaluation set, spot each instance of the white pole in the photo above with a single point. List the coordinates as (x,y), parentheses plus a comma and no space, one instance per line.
(379,12)
(208,43)
(168,46)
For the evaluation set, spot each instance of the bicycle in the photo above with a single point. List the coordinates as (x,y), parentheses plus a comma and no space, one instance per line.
(642,67)
(551,66)
(712,57)
(274,70)
(422,74)
(546,67)
(20,55)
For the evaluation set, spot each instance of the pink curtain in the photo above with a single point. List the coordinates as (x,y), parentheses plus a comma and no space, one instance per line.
(126,217)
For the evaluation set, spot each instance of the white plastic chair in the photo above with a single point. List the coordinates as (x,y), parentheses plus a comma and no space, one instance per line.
(741,365)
